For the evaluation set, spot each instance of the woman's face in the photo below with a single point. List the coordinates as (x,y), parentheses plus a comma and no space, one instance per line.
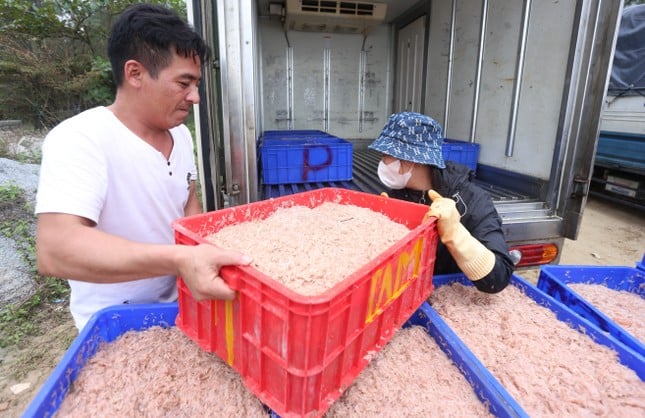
(420,178)
(405,165)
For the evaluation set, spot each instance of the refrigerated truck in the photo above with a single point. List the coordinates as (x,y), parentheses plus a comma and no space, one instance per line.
(525,80)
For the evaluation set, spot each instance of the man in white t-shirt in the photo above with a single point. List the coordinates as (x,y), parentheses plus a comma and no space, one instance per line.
(113,178)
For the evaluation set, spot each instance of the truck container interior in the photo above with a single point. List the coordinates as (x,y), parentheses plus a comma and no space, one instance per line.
(491,72)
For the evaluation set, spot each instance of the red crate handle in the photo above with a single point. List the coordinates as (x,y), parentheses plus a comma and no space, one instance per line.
(231,276)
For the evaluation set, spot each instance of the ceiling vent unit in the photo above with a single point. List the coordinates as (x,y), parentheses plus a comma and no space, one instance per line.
(333,16)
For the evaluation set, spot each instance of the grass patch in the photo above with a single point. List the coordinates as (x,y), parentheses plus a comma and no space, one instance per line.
(23,319)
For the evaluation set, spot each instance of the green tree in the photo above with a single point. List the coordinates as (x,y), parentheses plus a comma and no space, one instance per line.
(53,62)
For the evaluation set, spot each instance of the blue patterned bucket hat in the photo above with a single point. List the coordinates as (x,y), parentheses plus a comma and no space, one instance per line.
(411,137)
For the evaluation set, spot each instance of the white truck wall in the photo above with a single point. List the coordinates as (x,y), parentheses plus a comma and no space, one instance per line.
(547,52)
(326,91)
(337,87)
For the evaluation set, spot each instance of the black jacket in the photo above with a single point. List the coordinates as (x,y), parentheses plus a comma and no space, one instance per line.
(478,215)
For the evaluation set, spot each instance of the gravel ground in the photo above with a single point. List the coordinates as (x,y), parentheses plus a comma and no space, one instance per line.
(16,282)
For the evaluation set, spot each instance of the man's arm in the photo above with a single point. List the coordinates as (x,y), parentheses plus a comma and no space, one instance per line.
(70,247)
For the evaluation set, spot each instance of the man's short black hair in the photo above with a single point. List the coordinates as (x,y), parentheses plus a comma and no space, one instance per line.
(147,33)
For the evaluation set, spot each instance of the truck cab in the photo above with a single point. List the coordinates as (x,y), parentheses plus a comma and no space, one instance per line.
(524,80)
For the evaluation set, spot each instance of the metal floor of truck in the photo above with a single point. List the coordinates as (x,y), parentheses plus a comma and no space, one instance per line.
(365,162)
(511,205)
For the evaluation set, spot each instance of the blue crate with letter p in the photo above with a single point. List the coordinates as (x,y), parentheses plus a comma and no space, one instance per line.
(305,158)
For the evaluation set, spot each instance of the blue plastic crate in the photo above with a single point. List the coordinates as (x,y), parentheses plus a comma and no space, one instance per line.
(293,133)
(627,356)
(305,158)
(462,152)
(108,324)
(554,281)
(488,389)
(104,327)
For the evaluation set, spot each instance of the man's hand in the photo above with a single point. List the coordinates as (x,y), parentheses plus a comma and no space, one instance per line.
(200,267)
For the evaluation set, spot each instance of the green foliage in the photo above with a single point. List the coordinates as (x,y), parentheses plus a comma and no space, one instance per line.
(10,193)
(53,62)
(23,319)
(18,224)
(101,88)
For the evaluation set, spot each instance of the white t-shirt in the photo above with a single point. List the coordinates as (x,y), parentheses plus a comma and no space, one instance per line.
(95,167)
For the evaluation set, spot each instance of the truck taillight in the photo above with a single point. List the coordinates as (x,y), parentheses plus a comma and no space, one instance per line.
(535,254)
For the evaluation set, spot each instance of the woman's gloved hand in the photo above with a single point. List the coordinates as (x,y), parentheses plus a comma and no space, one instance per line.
(472,257)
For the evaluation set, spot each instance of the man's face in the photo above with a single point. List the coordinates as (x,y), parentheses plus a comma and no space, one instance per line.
(172,94)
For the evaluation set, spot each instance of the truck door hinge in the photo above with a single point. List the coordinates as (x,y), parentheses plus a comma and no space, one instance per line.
(228,196)
(580,187)
(235,190)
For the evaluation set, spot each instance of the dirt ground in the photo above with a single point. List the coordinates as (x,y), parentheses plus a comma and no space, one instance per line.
(609,235)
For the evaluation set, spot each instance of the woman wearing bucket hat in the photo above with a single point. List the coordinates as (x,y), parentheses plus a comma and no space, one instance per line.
(470,229)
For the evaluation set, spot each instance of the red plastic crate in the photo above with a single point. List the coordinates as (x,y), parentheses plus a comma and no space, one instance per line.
(299,353)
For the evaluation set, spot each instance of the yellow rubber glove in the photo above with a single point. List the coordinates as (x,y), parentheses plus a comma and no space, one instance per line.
(472,257)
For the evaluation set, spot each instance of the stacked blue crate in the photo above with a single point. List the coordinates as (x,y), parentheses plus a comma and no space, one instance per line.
(304,156)
(462,152)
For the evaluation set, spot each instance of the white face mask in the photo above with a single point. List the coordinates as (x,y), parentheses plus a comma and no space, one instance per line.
(390,176)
